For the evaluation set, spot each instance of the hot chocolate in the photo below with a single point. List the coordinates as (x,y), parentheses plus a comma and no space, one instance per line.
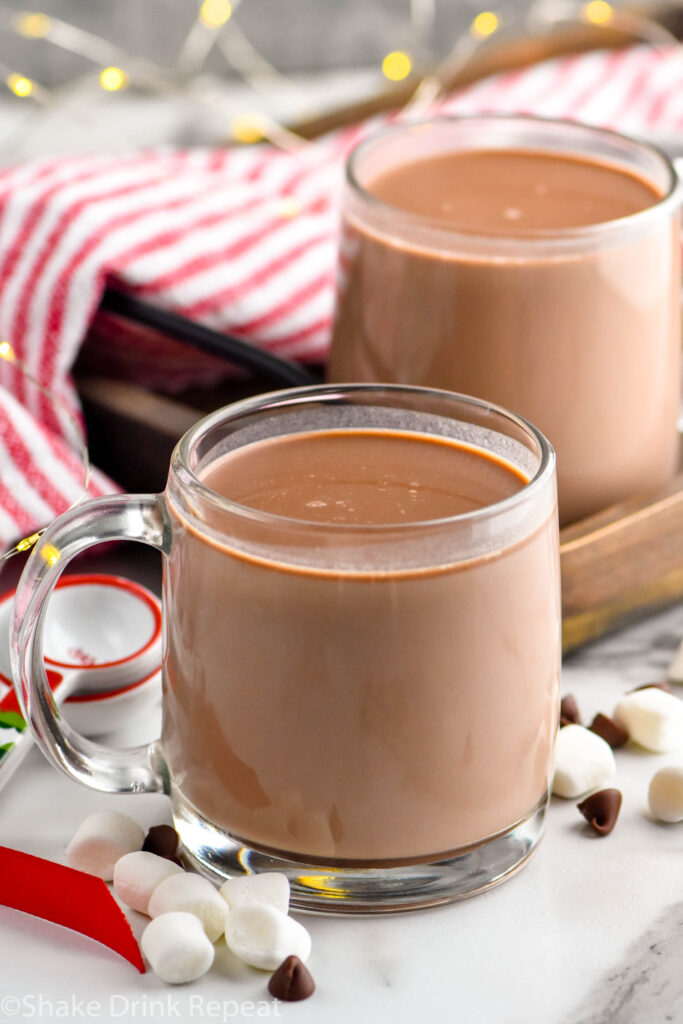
(367,715)
(505,192)
(361,643)
(482,271)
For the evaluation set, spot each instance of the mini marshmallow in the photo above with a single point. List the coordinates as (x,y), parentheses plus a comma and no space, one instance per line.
(177,947)
(137,875)
(583,761)
(263,936)
(653,718)
(270,887)
(675,674)
(665,795)
(101,840)
(194,895)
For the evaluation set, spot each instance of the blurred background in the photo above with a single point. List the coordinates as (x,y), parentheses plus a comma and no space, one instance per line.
(294,35)
(115,75)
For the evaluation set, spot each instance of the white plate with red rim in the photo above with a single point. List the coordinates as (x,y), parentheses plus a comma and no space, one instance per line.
(102,649)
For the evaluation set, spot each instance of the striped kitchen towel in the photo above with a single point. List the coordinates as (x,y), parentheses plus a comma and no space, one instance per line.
(243,240)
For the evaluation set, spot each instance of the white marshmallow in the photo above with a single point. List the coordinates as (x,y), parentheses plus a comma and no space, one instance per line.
(583,761)
(177,947)
(676,666)
(137,875)
(653,718)
(270,887)
(194,895)
(263,936)
(665,795)
(101,840)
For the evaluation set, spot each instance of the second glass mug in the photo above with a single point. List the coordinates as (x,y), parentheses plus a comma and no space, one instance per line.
(369,708)
(576,328)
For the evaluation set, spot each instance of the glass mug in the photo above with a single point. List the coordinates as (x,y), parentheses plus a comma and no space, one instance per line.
(578,329)
(370,708)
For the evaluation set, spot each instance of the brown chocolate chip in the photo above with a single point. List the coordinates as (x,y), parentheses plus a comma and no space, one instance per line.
(291,981)
(652,686)
(162,840)
(610,731)
(601,810)
(569,711)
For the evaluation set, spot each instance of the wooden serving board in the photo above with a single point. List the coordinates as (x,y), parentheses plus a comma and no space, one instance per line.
(617,566)
(622,564)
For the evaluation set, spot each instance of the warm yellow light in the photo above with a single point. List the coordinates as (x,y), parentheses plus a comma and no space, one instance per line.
(290,207)
(322,884)
(214,13)
(7,352)
(248,127)
(35,26)
(50,554)
(28,542)
(485,24)
(20,85)
(396,66)
(113,79)
(598,12)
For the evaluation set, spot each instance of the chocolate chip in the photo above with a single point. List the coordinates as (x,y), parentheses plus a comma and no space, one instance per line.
(654,686)
(291,981)
(569,711)
(162,840)
(610,731)
(601,810)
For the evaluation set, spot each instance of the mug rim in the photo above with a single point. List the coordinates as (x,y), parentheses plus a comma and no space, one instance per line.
(534,238)
(292,397)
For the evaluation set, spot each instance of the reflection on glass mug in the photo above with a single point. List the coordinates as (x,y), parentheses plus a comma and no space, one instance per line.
(362,643)
(531,263)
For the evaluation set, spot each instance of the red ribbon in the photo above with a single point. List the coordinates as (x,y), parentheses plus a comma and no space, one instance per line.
(68,897)
(10,703)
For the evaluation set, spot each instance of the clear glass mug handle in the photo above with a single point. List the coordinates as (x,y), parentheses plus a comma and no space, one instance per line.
(124,517)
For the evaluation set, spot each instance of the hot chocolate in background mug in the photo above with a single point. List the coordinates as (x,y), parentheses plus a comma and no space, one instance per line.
(361,643)
(530,262)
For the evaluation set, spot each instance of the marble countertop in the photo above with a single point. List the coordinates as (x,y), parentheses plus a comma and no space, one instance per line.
(590,932)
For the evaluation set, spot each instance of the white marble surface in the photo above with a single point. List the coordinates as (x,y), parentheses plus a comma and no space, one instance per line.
(590,932)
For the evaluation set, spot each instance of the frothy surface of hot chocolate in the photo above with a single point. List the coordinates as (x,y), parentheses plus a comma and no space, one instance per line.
(512,191)
(362,477)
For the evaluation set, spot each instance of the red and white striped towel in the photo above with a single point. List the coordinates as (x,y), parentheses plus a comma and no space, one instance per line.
(243,240)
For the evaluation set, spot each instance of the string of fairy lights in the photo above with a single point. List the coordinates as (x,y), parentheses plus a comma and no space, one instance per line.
(216,28)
